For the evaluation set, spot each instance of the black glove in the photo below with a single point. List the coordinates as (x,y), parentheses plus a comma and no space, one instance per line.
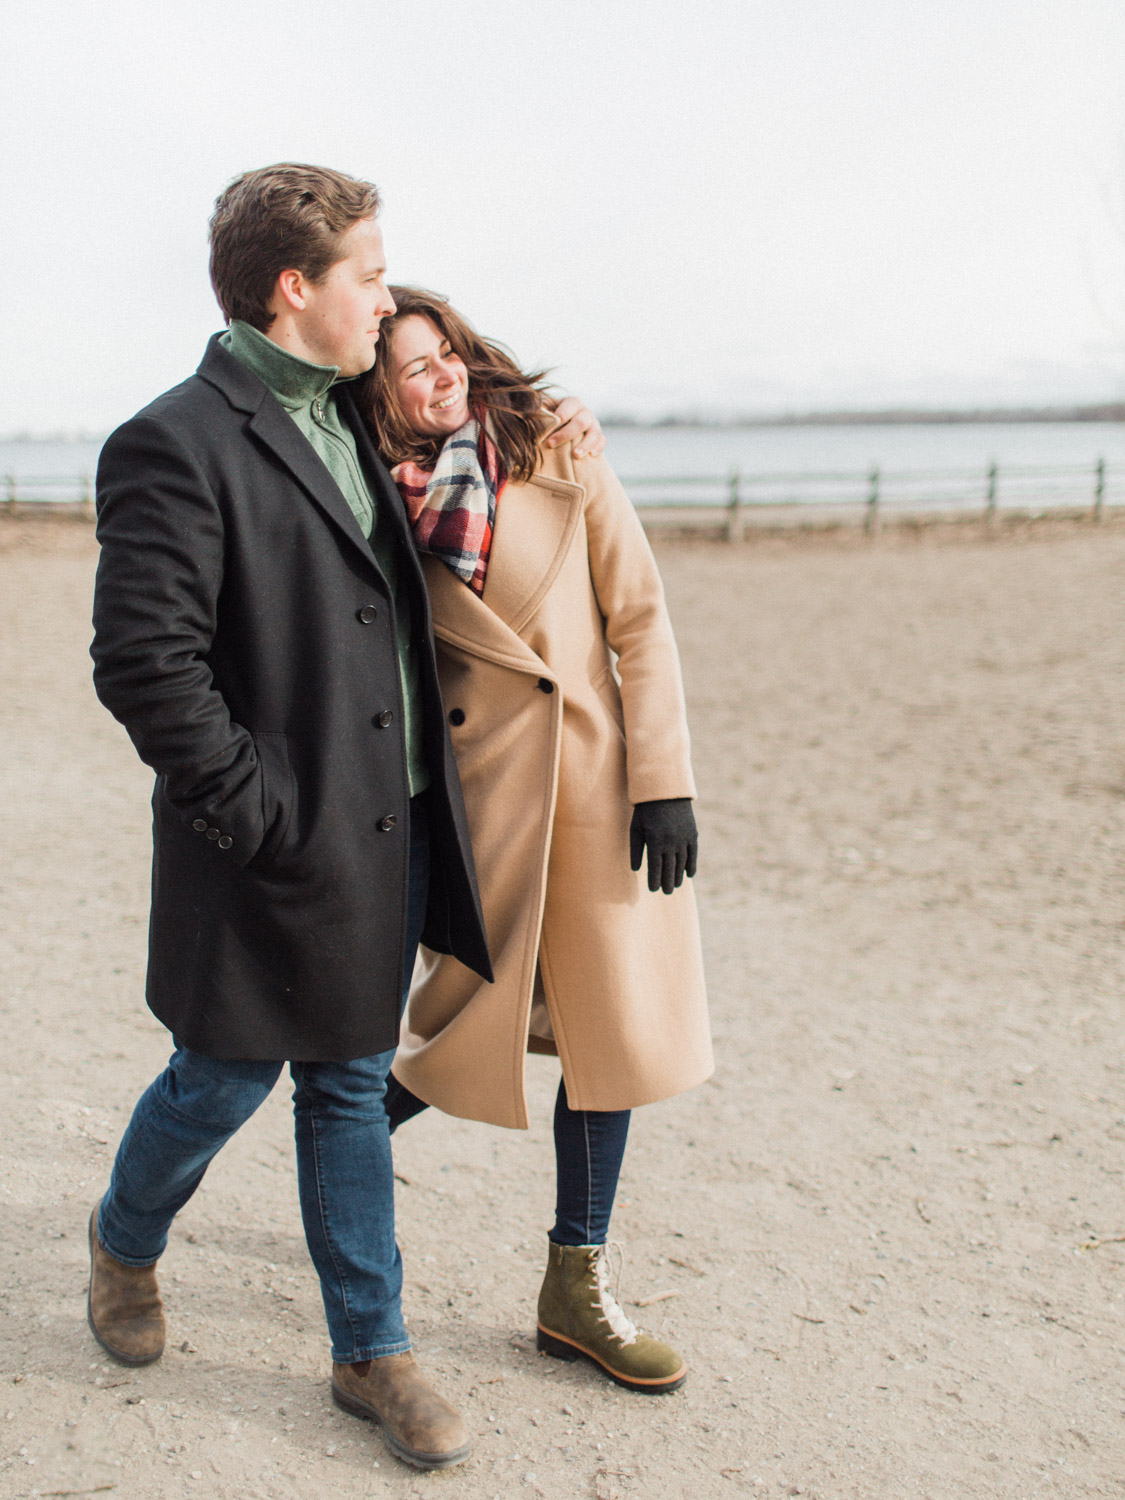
(668,830)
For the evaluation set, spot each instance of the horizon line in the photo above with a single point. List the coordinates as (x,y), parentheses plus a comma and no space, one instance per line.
(1100,411)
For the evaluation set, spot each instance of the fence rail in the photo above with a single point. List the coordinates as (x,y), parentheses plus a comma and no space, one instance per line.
(738,499)
(42,491)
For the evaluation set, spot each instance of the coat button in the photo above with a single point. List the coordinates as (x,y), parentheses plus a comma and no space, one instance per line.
(546,685)
(456,715)
(212,833)
(366,615)
(385,719)
(226,841)
(200,825)
(388,823)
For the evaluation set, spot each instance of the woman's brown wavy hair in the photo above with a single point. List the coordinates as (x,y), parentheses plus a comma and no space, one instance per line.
(511,397)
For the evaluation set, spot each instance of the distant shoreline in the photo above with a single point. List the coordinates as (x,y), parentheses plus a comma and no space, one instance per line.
(1106,411)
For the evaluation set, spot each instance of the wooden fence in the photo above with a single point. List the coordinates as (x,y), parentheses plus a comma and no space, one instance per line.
(739,500)
(44,493)
(732,503)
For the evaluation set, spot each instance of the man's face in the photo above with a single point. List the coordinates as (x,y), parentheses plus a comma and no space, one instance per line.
(342,313)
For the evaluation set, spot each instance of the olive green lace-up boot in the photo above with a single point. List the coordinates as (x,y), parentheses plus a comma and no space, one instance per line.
(580,1318)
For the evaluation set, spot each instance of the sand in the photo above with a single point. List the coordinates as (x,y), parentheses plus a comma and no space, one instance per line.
(889,1235)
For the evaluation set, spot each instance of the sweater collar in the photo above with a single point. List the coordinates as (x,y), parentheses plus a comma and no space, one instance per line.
(294,381)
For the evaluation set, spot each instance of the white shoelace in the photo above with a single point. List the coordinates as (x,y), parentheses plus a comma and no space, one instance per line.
(620,1325)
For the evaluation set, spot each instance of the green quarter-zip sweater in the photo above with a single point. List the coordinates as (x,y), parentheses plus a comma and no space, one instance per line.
(305,392)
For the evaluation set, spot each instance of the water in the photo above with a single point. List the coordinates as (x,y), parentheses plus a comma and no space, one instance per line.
(943,464)
(48,470)
(1038,463)
(695,450)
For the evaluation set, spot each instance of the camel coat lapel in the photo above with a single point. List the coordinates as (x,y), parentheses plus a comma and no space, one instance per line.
(535,527)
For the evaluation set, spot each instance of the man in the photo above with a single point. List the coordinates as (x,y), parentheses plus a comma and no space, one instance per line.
(262,631)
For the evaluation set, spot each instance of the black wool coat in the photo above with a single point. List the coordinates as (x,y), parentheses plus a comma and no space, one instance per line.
(244,636)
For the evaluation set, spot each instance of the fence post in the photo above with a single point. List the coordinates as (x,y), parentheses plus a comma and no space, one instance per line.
(13,503)
(871,520)
(734,504)
(990,508)
(1099,489)
(87,496)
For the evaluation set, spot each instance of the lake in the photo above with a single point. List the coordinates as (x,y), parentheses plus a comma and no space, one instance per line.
(1039,463)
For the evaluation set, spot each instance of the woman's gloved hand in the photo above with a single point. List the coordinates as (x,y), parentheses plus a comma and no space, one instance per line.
(667,830)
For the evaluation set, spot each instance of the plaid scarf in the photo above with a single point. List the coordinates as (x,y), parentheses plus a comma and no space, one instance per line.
(453,506)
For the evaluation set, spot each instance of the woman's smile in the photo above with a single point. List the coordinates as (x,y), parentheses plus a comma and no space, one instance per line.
(431,381)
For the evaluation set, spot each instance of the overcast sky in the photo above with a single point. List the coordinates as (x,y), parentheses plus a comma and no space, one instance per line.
(741,204)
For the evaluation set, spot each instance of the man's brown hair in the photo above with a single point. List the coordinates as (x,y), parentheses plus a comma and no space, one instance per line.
(289,217)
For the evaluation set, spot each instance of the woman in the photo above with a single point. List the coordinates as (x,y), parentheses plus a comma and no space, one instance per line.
(540,577)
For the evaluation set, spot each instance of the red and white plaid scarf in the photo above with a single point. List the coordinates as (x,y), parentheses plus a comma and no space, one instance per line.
(453,506)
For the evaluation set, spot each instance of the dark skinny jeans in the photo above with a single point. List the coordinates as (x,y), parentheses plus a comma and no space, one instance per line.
(589,1148)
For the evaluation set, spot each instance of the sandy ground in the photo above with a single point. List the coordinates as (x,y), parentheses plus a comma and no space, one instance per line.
(889,1235)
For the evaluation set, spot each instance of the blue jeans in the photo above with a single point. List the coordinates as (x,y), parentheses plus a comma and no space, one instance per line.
(589,1149)
(344,1170)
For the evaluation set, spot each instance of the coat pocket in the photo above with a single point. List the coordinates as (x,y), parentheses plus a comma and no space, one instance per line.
(279,794)
(605,685)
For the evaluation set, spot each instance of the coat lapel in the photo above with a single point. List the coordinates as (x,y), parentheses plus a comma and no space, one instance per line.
(463,619)
(388,501)
(276,430)
(535,525)
(272,426)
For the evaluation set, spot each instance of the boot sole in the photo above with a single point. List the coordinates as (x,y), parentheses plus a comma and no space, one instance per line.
(132,1360)
(562,1348)
(357,1408)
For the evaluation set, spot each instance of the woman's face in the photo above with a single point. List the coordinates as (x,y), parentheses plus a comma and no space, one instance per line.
(431,382)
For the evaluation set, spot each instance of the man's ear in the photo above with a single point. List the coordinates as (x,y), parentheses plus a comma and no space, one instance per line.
(291,291)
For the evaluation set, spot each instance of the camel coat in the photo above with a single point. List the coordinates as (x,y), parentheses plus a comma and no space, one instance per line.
(554,746)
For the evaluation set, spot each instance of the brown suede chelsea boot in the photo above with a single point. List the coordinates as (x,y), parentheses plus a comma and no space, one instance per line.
(421,1428)
(123,1308)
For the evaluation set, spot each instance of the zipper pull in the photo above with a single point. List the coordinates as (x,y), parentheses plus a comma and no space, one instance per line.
(318,409)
